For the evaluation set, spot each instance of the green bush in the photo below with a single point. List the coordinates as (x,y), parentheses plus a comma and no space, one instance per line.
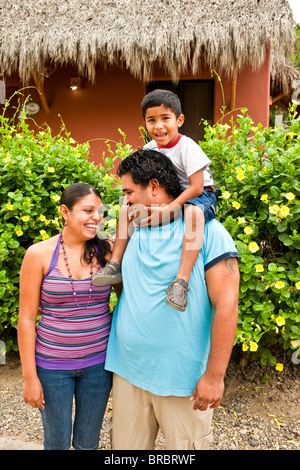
(256,171)
(35,167)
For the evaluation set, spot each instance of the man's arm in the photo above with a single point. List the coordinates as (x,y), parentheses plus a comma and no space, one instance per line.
(222,282)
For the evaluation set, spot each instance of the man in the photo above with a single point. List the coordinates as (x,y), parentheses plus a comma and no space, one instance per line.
(169,366)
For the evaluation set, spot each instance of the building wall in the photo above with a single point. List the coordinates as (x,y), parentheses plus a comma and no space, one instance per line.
(95,112)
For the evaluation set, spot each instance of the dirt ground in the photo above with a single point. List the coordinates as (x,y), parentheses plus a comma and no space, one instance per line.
(253,415)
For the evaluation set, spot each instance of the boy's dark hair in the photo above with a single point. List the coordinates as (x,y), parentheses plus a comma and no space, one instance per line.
(146,164)
(161,97)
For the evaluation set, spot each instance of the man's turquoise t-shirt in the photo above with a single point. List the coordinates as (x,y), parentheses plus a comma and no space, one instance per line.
(152,345)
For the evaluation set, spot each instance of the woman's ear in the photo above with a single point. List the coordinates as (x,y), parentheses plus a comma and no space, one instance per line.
(64,211)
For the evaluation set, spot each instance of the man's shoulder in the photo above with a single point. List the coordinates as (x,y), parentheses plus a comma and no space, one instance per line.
(217,243)
(214,229)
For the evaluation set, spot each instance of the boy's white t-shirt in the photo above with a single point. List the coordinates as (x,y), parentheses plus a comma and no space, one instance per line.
(187,158)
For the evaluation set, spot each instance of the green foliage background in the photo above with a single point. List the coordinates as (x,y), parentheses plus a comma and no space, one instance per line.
(257,173)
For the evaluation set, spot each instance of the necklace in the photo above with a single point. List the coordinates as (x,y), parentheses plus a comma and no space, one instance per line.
(71,279)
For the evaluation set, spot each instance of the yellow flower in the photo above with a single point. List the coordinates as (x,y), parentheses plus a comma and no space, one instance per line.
(10,207)
(284,211)
(25,218)
(264,198)
(274,209)
(28,171)
(259,268)
(226,194)
(253,247)
(280,321)
(50,169)
(279,367)
(253,346)
(245,347)
(290,196)
(240,176)
(279,284)
(55,197)
(248,230)
(297,285)
(44,234)
(295,344)
(19,232)
(250,167)
(42,218)
(241,220)
(236,204)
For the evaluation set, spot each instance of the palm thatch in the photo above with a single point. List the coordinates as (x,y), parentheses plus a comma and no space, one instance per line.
(178,35)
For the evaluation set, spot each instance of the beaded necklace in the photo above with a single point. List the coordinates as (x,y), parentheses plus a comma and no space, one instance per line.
(71,279)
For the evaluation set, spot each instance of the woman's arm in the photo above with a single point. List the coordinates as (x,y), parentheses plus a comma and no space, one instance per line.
(31,275)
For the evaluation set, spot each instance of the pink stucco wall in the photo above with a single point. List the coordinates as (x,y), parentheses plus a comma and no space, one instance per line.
(97,111)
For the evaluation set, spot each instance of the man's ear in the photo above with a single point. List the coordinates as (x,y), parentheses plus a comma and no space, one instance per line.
(154,185)
(180,120)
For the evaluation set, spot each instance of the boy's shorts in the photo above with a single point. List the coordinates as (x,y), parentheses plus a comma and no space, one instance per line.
(207,203)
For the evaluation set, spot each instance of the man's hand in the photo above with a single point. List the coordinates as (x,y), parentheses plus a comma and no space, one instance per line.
(208,392)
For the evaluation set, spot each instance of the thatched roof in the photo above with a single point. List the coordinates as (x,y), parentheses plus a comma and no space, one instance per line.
(135,34)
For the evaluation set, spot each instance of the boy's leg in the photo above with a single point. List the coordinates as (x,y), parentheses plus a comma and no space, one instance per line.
(191,246)
(111,273)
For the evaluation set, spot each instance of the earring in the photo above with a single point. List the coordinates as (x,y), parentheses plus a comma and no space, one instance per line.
(65,224)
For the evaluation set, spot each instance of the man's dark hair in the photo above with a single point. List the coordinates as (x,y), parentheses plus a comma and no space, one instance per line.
(146,164)
(161,97)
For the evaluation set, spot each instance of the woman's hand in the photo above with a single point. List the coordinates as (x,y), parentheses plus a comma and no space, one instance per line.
(33,393)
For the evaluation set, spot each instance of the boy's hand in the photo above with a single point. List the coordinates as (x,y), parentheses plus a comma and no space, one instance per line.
(157,215)
(136,213)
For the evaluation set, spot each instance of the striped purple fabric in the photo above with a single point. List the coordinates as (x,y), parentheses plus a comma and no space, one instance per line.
(68,336)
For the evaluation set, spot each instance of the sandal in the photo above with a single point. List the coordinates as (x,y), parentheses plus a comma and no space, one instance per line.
(177,294)
(110,274)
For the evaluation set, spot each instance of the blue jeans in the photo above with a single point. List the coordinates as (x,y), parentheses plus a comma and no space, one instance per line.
(207,202)
(90,387)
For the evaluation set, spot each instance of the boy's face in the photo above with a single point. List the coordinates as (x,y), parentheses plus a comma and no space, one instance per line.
(162,124)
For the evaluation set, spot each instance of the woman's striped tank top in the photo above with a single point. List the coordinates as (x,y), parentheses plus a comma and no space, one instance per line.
(68,336)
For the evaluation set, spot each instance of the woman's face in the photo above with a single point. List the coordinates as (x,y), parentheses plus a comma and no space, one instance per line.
(83,219)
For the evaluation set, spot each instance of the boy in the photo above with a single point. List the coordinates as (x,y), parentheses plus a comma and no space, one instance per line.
(163,117)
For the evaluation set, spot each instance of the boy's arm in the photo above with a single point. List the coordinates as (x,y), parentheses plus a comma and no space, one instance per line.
(195,189)
(163,214)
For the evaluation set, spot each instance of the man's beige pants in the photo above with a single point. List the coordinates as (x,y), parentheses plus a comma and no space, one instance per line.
(138,415)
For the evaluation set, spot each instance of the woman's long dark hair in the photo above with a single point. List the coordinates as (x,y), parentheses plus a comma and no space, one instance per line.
(97,246)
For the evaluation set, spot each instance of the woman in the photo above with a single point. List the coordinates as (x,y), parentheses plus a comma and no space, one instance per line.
(64,356)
